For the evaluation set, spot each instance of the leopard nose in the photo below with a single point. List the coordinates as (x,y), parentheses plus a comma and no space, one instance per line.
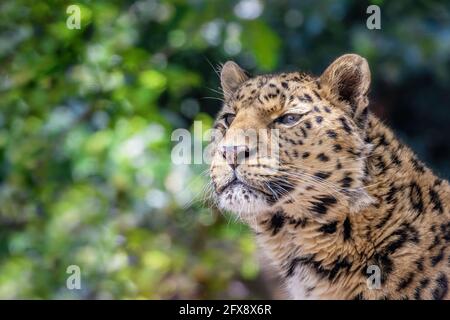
(235,155)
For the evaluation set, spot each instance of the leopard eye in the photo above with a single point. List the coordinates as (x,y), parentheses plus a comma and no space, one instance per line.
(228,118)
(289,118)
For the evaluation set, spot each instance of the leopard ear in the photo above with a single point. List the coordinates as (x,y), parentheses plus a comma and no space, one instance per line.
(231,77)
(348,78)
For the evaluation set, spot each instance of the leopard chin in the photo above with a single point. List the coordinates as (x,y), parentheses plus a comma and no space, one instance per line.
(243,200)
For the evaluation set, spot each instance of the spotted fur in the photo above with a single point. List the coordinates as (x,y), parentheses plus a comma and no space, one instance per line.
(344,195)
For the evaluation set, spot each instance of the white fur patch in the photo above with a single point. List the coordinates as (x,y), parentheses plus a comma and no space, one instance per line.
(237,198)
(302,284)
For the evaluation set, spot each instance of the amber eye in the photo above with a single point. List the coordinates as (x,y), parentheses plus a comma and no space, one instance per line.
(289,118)
(229,117)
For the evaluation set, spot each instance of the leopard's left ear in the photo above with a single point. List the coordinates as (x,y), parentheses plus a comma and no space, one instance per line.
(348,78)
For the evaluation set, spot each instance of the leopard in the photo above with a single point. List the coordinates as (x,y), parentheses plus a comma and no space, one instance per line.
(339,206)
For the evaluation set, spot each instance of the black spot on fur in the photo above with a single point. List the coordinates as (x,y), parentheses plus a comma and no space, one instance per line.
(338,265)
(306,97)
(359,296)
(308,124)
(330,274)
(337,148)
(346,182)
(319,86)
(404,234)
(300,223)
(322,175)
(418,291)
(413,235)
(419,264)
(415,196)
(382,141)
(305,135)
(441,289)
(329,228)
(380,165)
(395,159)
(323,157)
(345,125)
(362,118)
(291,267)
(365,178)
(306,260)
(436,201)
(393,246)
(445,231)
(356,154)
(347,229)
(404,283)
(305,155)
(291,141)
(322,204)
(317,95)
(284,84)
(332,134)
(417,165)
(319,119)
(437,258)
(436,242)
(391,194)
(386,266)
(384,220)
(277,222)
(353,107)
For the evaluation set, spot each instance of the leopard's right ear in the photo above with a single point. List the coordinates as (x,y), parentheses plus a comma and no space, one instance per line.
(348,78)
(231,77)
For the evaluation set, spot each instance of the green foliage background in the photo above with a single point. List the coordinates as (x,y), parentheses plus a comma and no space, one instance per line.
(86,117)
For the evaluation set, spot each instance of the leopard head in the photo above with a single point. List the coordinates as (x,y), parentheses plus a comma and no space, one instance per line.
(290,135)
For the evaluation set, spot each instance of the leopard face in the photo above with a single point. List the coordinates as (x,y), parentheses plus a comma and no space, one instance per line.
(290,134)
